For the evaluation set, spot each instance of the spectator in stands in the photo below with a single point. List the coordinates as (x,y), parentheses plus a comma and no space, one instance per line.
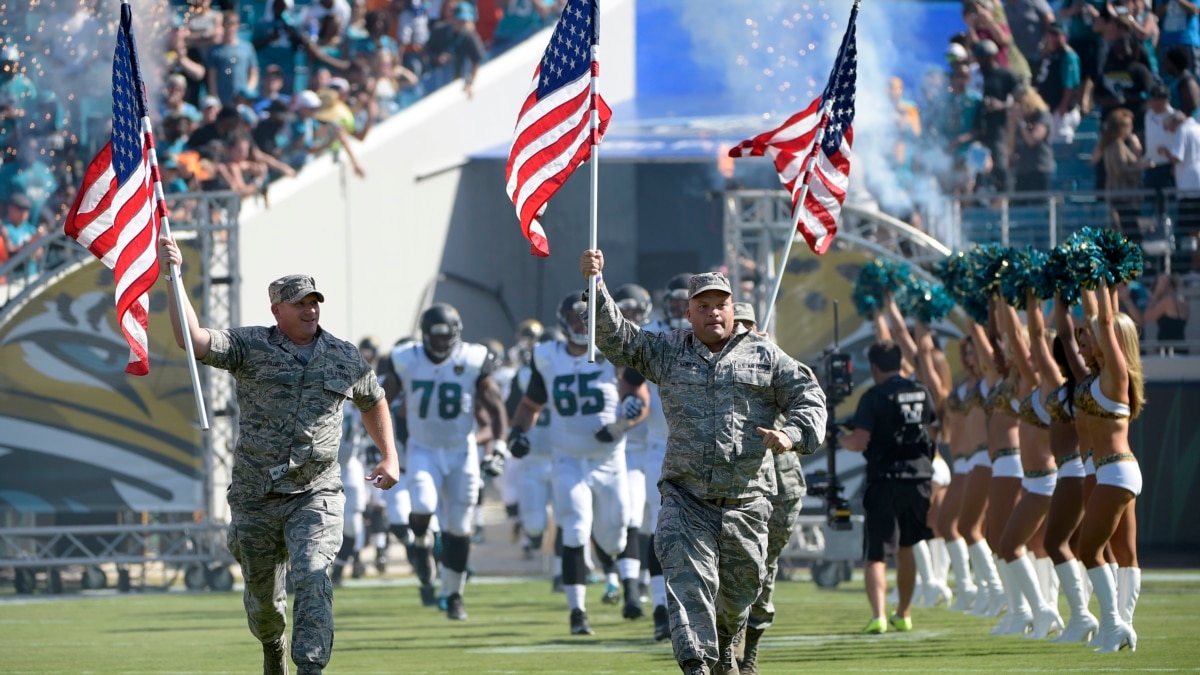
(388,80)
(232,65)
(1169,310)
(1134,17)
(1184,152)
(19,229)
(10,118)
(906,122)
(321,79)
(320,9)
(376,39)
(1028,20)
(1058,81)
(1159,174)
(173,102)
(1126,80)
(15,85)
(1179,22)
(237,171)
(329,49)
(986,20)
(1033,157)
(29,175)
(456,48)
(1180,81)
(186,60)
(959,51)
(273,84)
(273,135)
(413,27)
(277,38)
(1000,86)
(957,125)
(309,137)
(1080,17)
(1118,157)
(204,25)
(210,107)
(521,19)
(338,121)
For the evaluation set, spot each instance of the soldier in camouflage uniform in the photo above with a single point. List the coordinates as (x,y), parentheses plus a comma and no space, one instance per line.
(286,493)
(723,388)
(785,509)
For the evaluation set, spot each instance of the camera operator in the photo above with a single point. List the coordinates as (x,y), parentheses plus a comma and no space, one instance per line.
(891,425)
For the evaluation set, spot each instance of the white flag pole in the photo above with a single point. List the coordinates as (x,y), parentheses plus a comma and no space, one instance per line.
(594,207)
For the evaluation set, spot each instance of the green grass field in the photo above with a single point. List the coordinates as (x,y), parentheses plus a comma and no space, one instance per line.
(520,627)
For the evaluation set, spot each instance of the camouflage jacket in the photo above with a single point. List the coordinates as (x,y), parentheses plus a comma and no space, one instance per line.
(290,412)
(789,474)
(714,403)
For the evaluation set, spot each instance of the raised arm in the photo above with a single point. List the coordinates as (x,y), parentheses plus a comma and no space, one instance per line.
(900,334)
(1007,315)
(983,351)
(927,370)
(623,343)
(168,252)
(1065,326)
(1043,357)
(1114,376)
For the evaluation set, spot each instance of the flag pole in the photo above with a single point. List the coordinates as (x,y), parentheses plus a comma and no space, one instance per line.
(176,277)
(594,206)
(805,179)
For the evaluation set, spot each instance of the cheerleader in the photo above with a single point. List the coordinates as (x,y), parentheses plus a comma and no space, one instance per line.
(1105,402)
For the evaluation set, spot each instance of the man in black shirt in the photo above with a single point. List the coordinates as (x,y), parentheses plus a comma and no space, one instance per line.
(1000,87)
(891,429)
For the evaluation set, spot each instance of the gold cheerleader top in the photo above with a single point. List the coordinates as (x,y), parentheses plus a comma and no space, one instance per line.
(1057,406)
(1092,401)
(1001,400)
(1032,411)
(957,401)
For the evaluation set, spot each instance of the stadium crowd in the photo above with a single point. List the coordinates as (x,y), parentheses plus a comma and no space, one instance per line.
(239,94)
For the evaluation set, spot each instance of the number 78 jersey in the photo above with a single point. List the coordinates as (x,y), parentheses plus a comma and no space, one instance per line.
(584,397)
(439,398)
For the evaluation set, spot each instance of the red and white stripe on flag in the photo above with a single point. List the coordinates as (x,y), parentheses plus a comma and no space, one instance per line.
(116,213)
(553,134)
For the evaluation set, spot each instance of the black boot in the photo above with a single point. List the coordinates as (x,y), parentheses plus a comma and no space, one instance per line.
(749,661)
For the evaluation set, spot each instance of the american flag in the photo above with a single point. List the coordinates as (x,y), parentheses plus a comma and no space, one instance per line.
(116,213)
(829,121)
(554,131)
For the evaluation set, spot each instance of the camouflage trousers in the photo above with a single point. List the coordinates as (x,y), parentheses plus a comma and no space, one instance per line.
(779,531)
(290,536)
(713,564)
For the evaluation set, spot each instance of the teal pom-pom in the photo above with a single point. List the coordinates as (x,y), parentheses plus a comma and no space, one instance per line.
(1122,258)
(1024,270)
(877,278)
(928,302)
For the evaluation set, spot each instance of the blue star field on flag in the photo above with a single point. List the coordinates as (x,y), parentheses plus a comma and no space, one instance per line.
(129,103)
(568,56)
(840,89)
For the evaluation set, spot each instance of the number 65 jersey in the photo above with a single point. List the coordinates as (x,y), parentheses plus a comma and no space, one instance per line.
(584,396)
(440,397)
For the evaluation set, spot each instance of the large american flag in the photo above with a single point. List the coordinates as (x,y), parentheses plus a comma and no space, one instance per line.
(554,133)
(829,122)
(116,213)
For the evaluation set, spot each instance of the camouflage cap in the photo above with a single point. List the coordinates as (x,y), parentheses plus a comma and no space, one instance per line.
(708,281)
(293,288)
(744,311)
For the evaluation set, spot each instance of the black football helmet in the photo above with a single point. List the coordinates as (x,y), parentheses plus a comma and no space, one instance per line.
(634,302)
(441,331)
(675,300)
(571,318)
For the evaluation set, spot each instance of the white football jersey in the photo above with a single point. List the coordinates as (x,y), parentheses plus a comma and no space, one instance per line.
(439,397)
(583,397)
(656,420)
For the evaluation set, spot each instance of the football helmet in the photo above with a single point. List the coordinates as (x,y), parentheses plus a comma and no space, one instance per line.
(571,319)
(634,302)
(441,331)
(675,300)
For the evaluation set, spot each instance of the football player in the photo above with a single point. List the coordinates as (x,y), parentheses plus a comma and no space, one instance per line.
(448,395)
(587,435)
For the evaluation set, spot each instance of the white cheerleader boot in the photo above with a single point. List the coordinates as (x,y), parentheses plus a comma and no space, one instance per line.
(932,589)
(987,579)
(965,589)
(1018,620)
(1045,617)
(1129,587)
(1082,625)
(1114,634)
